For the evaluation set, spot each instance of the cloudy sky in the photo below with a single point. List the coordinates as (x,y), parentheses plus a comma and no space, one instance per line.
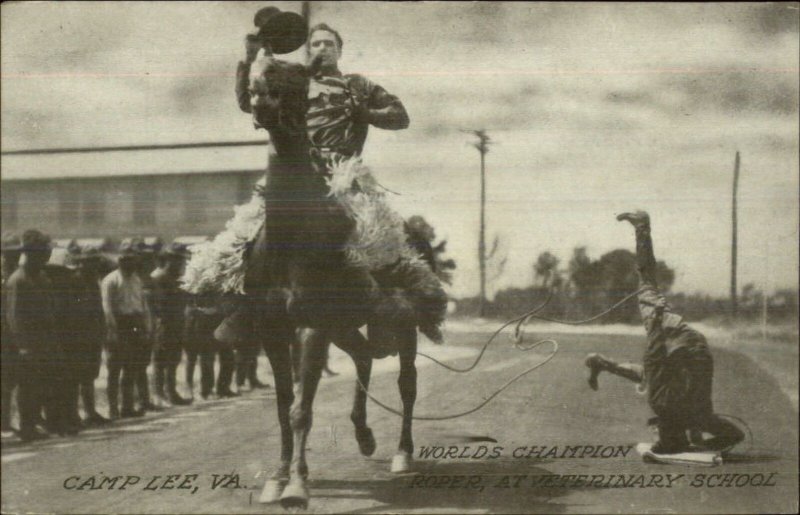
(594,108)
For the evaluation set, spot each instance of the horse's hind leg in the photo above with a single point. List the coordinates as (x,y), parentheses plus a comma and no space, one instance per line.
(356,346)
(276,345)
(313,344)
(407,381)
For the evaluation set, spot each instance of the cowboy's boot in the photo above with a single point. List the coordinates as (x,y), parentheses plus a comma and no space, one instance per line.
(671,437)
(172,391)
(598,363)
(645,257)
(636,218)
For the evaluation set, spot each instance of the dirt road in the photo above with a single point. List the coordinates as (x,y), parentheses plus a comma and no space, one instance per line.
(552,408)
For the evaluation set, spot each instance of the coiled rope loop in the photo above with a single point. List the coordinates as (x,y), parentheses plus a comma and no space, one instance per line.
(518,344)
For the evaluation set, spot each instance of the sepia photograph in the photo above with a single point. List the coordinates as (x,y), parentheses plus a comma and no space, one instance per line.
(399,257)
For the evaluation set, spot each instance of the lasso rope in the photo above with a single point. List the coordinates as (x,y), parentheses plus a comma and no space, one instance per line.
(480,405)
(533,314)
(518,336)
(518,344)
(746,426)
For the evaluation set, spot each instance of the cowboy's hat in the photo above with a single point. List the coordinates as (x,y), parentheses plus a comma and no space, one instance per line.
(284,32)
(128,250)
(88,254)
(175,249)
(11,242)
(35,241)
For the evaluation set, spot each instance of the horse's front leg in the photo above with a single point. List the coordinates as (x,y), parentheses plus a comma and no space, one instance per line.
(295,352)
(407,382)
(276,345)
(356,346)
(313,346)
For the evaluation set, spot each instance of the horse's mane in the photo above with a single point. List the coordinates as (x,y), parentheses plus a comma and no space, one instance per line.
(285,86)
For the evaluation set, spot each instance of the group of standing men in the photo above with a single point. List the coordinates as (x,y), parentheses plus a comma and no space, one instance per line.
(58,317)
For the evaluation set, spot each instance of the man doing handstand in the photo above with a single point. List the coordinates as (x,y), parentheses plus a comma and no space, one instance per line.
(678,367)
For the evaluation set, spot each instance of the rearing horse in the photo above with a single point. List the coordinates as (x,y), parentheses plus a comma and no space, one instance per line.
(300,253)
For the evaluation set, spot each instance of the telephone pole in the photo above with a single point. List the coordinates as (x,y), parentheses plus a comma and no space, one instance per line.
(483,147)
(734,239)
(305,10)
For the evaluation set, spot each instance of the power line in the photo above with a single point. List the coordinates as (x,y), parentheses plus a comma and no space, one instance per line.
(126,148)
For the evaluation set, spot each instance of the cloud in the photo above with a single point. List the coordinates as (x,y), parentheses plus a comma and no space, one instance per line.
(30,124)
(774,18)
(726,92)
(732,92)
(43,37)
(594,108)
(186,95)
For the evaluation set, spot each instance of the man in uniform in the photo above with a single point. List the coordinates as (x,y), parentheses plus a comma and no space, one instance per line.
(203,314)
(31,323)
(11,247)
(146,250)
(168,303)
(247,366)
(88,346)
(128,324)
(61,404)
(678,367)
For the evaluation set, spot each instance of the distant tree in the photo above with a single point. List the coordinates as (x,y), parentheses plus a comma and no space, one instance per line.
(585,278)
(580,270)
(602,283)
(618,272)
(751,300)
(546,272)
(665,276)
(618,279)
(784,304)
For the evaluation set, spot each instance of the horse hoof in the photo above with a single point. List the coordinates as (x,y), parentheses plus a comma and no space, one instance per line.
(366,441)
(272,491)
(401,463)
(295,496)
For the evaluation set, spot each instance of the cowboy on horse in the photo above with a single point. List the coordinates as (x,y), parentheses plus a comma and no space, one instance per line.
(317,251)
(340,109)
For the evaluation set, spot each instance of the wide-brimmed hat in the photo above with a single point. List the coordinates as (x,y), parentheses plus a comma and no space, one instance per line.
(284,32)
(88,254)
(33,241)
(175,249)
(11,242)
(152,244)
(128,250)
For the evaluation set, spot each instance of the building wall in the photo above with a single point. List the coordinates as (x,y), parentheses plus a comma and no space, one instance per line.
(159,205)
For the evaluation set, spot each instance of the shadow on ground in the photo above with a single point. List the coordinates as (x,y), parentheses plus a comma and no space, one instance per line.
(403,493)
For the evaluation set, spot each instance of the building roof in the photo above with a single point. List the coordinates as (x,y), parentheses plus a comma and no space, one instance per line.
(119,163)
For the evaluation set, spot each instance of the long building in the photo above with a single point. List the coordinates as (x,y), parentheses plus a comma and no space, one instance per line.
(121,193)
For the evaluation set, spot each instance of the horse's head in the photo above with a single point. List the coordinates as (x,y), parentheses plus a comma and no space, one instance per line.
(279,94)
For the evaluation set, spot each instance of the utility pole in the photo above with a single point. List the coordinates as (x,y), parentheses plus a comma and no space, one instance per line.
(734,239)
(306,13)
(765,297)
(483,147)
